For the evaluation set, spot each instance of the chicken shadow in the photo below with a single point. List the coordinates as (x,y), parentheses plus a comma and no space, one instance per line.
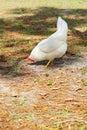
(67,59)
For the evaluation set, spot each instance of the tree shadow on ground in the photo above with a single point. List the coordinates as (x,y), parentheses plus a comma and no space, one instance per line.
(42,21)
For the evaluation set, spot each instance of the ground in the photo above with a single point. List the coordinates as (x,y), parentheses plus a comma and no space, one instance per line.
(33,97)
(46,98)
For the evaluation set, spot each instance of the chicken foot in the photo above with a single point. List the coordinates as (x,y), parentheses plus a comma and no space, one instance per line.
(48,63)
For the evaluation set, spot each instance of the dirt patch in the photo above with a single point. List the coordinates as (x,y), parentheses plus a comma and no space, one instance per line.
(45,98)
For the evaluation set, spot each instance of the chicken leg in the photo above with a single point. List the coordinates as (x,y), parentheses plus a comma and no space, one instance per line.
(50,61)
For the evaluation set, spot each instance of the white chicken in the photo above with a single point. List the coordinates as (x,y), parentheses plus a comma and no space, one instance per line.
(53,47)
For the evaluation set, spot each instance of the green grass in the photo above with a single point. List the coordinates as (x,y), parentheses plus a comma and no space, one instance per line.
(85,83)
(49,83)
(39,20)
(18,116)
(24,24)
(84,71)
(31,116)
(65,112)
(47,74)
(22,102)
(47,128)
(82,128)
(26,116)
(36,80)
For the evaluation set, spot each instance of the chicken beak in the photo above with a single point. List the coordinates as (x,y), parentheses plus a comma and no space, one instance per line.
(29,59)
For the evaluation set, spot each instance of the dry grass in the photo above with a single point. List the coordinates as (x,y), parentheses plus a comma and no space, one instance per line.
(48,100)
(23,24)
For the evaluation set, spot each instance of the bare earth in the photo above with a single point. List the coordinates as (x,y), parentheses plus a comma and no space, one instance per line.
(42,98)
(33,97)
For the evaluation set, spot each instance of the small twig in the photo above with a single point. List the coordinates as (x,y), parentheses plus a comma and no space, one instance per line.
(74,120)
(55,88)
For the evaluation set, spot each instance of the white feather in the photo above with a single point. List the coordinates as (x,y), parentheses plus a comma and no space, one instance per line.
(54,46)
